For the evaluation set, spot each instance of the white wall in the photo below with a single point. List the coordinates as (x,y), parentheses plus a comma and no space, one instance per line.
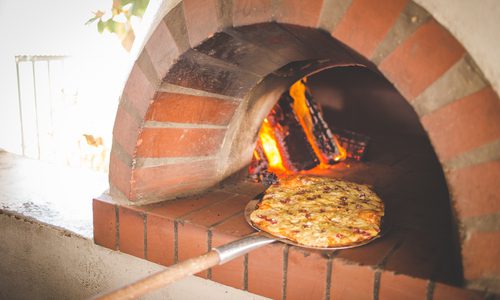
(476,24)
(56,27)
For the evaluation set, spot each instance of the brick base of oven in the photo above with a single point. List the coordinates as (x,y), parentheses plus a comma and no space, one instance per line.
(176,230)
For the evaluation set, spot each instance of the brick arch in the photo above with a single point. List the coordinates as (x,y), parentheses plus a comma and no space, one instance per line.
(177,111)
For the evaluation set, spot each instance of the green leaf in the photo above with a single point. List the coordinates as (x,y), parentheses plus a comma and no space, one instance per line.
(100,26)
(139,7)
(110,25)
(120,29)
(91,20)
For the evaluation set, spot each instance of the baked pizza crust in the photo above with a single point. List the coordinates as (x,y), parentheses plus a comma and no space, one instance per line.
(320,211)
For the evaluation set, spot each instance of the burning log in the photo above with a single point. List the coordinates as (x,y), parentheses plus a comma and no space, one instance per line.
(259,164)
(295,150)
(295,137)
(354,143)
(320,136)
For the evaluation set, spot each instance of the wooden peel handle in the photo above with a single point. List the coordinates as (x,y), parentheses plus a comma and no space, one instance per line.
(163,278)
(219,255)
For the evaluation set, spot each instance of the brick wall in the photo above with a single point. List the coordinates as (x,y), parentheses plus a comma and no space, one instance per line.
(403,264)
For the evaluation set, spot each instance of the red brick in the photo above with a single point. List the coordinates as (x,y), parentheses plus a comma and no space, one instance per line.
(446,292)
(174,209)
(192,242)
(120,174)
(298,13)
(170,107)
(179,142)
(481,253)
(201,19)
(154,179)
(247,12)
(475,189)
(126,130)
(131,231)
(232,272)
(235,226)
(366,23)
(162,49)
(265,271)
(351,281)
(104,214)
(160,240)
(221,210)
(393,286)
(306,275)
(421,59)
(139,91)
(464,124)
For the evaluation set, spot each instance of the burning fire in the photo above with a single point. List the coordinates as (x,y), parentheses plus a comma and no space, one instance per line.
(271,154)
(298,93)
(270,147)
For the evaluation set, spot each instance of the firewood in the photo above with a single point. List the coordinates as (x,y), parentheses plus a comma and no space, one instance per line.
(259,163)
(325,141)
(297,153)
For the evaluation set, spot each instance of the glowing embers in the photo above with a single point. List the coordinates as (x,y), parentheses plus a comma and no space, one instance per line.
(294,137)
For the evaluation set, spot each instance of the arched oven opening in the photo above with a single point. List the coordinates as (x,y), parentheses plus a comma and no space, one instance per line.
(349,122)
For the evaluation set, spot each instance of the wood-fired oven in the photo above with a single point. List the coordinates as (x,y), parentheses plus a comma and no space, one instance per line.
(208,76)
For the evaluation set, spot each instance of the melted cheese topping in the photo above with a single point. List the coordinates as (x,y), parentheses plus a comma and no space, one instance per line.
(319,211)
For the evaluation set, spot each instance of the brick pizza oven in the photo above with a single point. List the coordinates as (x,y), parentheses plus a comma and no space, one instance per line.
(189,117)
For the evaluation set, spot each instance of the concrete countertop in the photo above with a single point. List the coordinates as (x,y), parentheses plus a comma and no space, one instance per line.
(46,246)
(56,195)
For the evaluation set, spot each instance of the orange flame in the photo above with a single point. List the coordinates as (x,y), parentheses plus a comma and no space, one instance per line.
(271,149)
(268,139)
(298,93)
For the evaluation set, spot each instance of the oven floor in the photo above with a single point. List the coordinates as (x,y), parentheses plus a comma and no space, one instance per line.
(406,174)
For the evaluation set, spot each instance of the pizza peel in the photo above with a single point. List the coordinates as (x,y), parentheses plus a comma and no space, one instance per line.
(217,256)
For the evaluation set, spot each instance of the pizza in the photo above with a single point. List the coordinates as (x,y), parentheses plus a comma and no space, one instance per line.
(320,211)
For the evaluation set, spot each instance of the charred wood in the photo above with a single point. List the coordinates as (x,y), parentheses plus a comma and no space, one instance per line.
(259,163)
(296,151)
(324,138)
